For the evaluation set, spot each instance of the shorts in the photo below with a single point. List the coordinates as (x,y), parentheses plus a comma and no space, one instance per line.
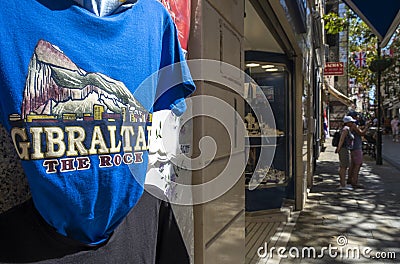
(395,130)
(344,158)
(357,156)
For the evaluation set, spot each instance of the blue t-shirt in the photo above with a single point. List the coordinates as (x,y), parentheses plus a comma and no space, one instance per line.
(74,106)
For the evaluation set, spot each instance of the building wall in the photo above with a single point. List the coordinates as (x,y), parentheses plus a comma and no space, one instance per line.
(217,34)
(343,53)
(302,67)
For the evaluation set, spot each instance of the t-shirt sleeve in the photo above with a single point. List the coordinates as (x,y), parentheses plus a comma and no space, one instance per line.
(174,78)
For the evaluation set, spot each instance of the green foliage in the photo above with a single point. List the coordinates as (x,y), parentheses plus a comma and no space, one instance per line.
(391,76)
(360,38)
(334,24)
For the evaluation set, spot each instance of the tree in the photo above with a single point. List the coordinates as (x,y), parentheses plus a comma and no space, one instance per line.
(360,38)
(391,77)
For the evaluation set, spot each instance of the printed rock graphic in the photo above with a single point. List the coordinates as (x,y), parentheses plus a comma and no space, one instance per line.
(56,86)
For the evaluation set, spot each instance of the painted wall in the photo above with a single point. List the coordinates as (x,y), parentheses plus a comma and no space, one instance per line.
(217,34)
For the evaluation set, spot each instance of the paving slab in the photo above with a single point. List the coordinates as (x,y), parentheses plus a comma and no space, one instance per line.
(364,218)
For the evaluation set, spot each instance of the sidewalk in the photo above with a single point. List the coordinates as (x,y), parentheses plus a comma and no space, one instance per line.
(391,151)
(361,218)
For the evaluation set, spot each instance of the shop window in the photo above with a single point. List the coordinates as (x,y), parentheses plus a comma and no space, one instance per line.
(272,174)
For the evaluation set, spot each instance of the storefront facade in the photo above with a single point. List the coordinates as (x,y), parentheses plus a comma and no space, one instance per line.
(263,33)
(217,34)
(296,48)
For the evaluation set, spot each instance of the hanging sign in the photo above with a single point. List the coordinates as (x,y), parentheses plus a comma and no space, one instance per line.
(334,68)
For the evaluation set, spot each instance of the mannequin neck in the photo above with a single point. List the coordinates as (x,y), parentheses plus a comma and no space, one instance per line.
(105,7)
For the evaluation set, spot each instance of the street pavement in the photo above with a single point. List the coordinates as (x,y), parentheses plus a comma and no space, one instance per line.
(391,151)
(366,220)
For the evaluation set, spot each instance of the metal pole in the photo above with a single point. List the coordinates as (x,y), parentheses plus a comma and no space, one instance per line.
(328,125)
(379,132)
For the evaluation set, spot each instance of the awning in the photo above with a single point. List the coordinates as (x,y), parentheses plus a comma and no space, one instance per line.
(338,95)
(395,106)
(383,16)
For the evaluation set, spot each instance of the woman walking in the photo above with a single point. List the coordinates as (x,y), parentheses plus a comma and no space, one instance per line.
(356,154)
(345,144)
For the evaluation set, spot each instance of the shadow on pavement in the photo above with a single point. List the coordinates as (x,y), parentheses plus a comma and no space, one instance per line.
(366,217)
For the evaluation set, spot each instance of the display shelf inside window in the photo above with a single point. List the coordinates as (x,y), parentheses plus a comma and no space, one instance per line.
(261,136)
(266,177)
(260,129)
